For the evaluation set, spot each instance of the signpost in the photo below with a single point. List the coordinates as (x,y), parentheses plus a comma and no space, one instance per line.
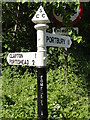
(41,19)
(38,58)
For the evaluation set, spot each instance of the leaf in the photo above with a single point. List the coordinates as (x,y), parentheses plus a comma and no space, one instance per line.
(5,46)
(23,1)
(79,39)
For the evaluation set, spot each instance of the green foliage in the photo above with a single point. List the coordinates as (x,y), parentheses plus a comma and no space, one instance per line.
(19,95)
(67,99)
(68,70)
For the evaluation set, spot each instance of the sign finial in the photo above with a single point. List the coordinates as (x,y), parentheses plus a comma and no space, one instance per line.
(40,17)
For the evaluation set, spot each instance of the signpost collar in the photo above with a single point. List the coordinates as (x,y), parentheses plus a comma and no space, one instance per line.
(41,26)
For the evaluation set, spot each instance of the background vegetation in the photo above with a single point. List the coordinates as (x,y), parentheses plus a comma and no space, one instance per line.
(68,72)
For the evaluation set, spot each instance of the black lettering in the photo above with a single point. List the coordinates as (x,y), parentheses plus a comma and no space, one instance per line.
(37,16)
(50,39)
(15,61)
(63,30)
(10,55)
(62,41)
(11,61)
(33,62)
(13,55)
(40,10)
(35,55)
(27,62)
(20,55)
(43,15)
(16,55)
(22,62)
(47,39)
(57,40)
(18,61)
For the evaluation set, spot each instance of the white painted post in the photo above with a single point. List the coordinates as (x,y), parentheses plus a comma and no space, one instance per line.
(41,45)
(41,72)
(40,19)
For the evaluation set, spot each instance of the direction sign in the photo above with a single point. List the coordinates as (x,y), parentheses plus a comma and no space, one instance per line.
(22,58)
(40,16)
(64,31)
(57,40)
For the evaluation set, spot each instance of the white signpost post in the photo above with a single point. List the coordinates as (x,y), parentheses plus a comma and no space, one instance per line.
(40,18)
(38,58)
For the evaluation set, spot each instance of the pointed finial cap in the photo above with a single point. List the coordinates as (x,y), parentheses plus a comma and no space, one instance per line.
(40,17)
